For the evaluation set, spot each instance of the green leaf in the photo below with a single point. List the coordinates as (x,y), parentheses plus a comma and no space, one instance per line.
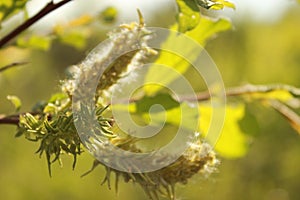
(188,16)
(249,123)
(15,101)
(74,33)
(172,62)
(173,113)
(207,28)
(39,106)
(182,115)
(75,38)
(35,41)
(233,141)
(108,15)
(50,108)
(206,3)
(58,97)
(163,99)
(215,4)
(228,4)
(10,7)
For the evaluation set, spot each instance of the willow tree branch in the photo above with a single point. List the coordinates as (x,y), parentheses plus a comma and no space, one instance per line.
(11,65)
(292,117)
(202,96)
(42,13)
(245,90)
(14,119)
(10,120)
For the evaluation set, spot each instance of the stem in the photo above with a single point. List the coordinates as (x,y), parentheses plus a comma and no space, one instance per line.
(11,65)
(46,10)
(202,96)
(245,90)
(12,119)
(292,117)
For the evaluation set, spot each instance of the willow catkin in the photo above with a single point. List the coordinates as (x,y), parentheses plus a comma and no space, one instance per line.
(109,61)
(128,46)
(198,158)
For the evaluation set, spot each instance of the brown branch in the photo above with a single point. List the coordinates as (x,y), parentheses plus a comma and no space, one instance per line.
(11,119)
(42,13)
(292,117)
(245,90)
(14,119)
(11,65)
(231,92)
(202,96)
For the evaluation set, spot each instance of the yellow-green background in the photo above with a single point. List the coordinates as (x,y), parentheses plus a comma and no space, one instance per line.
(258,53)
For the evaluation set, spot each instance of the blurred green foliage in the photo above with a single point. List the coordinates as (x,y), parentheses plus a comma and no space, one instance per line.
(206,29)
(188,16)
(109,15)
(256,53)
(10,7)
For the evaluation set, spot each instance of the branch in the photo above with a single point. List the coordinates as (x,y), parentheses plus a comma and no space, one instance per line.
(292,117)
(245,90)
(11,65)
(42,13)
(14,119)
(11,119)
(204,96)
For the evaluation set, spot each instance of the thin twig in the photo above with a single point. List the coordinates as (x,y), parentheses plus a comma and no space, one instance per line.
(231,92)
(248,89)
(12,120)
(245,90)
(202,96)
(292,117)
(42,13)
(11,65)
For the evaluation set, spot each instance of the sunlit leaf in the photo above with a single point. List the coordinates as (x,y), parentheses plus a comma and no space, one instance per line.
(76,39)
(35,41)
(74,33)
(184,115)
(215,4)
(207,28)
(163,99)
(10,7)
(205,3)
(174,113)
(108,15)
(57,97)
(228,4)
(233,142)
(204,31)
(15,101)
(188,16)
(50,108)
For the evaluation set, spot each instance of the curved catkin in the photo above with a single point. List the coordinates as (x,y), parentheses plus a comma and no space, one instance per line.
(198,158)
(127,46)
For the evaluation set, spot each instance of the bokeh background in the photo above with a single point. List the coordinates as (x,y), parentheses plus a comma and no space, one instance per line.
(262,48)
